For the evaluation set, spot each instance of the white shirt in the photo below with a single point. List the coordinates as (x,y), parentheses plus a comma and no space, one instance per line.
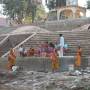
(20,49)
(62,41)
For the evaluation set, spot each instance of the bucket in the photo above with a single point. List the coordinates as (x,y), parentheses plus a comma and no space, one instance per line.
(71,67)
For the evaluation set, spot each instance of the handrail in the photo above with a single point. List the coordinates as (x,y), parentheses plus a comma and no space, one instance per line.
(2,41)
(20,43)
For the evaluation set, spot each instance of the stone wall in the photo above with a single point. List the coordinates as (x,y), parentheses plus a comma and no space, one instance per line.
(61,25)
(42,64)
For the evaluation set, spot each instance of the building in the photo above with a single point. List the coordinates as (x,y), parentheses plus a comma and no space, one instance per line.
(64,9)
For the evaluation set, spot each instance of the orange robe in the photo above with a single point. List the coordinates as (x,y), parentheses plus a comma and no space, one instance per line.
(54,60)
(78,58)
(11,60)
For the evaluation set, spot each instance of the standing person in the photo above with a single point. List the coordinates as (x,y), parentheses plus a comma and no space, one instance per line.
(21,50)
(61,45)
(78,57)
(11,59)
(53,57)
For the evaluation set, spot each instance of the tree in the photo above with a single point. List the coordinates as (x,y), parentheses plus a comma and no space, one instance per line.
(30,8)
(40,13)
(14,9)
(19,9)
(88,4)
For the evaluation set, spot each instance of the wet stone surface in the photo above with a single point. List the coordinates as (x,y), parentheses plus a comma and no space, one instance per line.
(30,80)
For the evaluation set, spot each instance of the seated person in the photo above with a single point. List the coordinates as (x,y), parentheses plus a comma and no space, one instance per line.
(31,52)
(43,49)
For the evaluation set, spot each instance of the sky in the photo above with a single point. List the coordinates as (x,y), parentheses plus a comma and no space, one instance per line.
(80,2)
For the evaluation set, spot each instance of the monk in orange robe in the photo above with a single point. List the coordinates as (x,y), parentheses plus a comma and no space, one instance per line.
(54,58)
(78,57)
(11,59)
(55,63)
(31,52)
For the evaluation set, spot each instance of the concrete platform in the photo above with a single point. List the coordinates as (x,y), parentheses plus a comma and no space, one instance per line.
(44,63)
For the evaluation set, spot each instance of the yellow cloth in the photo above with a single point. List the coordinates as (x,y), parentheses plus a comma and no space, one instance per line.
(78,58)
(55,65)
(55,61)
(11,59)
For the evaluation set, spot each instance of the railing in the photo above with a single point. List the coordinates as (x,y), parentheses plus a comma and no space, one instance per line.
(1,42)
(20,43)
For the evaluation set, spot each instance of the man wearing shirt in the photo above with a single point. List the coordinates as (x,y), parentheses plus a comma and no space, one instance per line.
(61,45)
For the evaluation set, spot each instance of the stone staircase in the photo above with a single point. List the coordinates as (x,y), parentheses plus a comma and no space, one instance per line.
(38,39)
(16,39)
(73,39)
(12,41)
(61,25)
(2,37)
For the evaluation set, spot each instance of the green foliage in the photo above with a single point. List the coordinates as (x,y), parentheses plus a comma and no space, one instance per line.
(40,14)
(19,9)
(27,20)
(14,9)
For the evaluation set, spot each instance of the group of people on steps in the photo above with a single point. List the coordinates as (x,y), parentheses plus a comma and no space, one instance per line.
(50,50)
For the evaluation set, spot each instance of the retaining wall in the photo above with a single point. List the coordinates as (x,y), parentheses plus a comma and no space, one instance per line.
(43,64)
(67,24)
